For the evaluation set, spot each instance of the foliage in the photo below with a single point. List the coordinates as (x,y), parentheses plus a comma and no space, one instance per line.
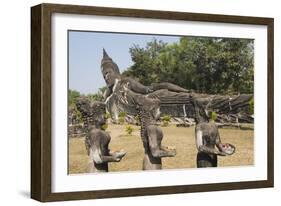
(129,130)
(73,95)
(166,119)
(122,114)
(121,117)
(104,126)
(146,67)
(97,96)
(214,116)
(77,116)
(251,106)
(206,65)
(107,115)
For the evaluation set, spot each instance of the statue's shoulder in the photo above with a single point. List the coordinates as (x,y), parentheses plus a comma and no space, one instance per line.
(151,127)
(202,125)
(98,132)
(208,126)
(127,79)
(213,124)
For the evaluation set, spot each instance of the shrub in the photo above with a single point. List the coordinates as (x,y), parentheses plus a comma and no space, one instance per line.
(104,126)
(107,115)
(214,116)
(129,129)
(166,119)
(121,117)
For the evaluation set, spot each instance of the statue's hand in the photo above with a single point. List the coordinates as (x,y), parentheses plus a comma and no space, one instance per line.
(173,152)
(149,89)
(119,155)
(126,86)
(226,148)
(170,150)
(222,154)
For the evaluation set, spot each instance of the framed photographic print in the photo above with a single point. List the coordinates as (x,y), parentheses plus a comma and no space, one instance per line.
(130,102)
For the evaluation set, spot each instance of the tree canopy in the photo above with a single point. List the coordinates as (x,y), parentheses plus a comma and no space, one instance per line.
(206,65)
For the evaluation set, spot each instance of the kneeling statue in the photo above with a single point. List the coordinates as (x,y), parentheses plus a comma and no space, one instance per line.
(151,135)
(207,139)
(97,140)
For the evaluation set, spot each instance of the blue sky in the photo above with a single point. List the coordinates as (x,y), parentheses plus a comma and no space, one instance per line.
(85,54)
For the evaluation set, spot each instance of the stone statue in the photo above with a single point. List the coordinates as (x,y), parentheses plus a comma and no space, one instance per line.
(174,100)
(111,73)
(163,91)
(97,140)
(151,135)
(207,138)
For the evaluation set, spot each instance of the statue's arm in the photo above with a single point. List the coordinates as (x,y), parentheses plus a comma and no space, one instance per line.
(110,158)
(201,147)
(218,142)
(154,146)
(106,93)
(137,87)
(169,86)
(209,150)
(98,149)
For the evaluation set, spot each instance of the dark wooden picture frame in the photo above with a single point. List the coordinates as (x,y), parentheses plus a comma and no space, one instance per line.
(41,117)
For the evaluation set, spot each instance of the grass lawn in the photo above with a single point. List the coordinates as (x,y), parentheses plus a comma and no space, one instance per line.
(181,138)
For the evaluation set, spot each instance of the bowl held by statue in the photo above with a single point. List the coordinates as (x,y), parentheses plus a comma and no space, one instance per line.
(227,148)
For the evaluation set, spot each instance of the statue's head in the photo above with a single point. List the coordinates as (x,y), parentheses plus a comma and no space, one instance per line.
(83,105)
(109,69)
(92,111)
(153,106)
(201,114)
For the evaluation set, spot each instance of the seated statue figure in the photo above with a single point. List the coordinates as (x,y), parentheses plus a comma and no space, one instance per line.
(97,140)
(207,137)
(151,134)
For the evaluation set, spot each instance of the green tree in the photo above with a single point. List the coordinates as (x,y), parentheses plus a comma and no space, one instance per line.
(73,95)
(97,96)
(206,65)
(145,67)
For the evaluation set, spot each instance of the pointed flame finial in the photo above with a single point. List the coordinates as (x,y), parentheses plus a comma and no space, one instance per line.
(108,62)
(105,55)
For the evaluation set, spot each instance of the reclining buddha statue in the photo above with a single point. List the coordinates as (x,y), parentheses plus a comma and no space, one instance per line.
(174,100)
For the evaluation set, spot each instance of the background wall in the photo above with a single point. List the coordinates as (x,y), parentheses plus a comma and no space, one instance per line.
(15,101)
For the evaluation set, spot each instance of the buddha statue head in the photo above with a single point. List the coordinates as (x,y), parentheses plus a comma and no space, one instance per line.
(109,70)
